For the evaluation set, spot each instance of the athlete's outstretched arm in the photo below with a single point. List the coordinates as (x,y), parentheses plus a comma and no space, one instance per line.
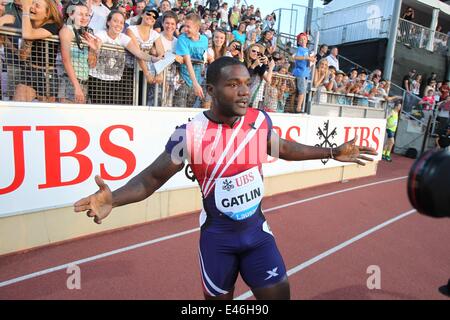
(293,151)
(143,185)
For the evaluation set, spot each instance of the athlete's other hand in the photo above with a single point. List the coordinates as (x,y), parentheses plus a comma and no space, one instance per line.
(99,204)
(349,152)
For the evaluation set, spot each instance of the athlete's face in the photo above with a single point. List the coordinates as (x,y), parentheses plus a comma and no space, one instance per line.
(231,93)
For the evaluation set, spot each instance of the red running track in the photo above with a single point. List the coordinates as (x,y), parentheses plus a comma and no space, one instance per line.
(313,236)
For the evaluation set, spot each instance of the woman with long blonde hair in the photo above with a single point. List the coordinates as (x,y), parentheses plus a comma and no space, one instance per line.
(260,69)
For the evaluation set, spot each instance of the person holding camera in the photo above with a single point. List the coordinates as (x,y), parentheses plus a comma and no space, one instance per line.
(260,68)
(235,50)
(40,20)
(76,58)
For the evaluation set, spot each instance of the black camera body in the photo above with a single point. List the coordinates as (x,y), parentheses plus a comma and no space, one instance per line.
(429,184)
(83,30)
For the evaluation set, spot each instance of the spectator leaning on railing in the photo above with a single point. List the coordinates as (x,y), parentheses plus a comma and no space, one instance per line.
(108,72)
(75,56)
(169,43)
(12,18)
(40,20)
(191,45)
(260,69)
(98,16)
(321,76)
(145,37)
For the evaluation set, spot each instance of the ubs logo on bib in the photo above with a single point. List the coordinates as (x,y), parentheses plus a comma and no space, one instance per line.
(245,179)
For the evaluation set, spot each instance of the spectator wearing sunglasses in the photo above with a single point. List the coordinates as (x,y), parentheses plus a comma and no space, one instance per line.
(75,56)
(148,40)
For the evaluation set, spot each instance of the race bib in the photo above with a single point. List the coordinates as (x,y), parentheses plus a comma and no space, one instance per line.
(239,196)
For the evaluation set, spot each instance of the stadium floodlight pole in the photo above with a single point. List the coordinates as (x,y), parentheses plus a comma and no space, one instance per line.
(390,51)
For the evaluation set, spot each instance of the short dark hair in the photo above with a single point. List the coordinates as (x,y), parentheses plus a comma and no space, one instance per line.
(111,14)
(170,14)
(215,69)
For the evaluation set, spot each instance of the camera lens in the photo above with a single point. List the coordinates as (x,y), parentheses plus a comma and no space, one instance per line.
(429,184)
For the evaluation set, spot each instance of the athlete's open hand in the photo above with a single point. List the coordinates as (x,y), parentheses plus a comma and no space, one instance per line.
(349,152)
(99,204)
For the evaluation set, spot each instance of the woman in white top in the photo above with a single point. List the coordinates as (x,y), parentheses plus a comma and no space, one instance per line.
(105,86)
(144,35)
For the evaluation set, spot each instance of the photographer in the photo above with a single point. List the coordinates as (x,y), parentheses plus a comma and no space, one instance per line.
(77,58)
(260,69)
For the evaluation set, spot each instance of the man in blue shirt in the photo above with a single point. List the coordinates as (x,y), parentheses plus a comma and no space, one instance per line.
(302,71)
(191,45)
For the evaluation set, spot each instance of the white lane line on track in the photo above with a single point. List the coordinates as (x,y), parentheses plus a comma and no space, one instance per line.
(176,235)
(335,249)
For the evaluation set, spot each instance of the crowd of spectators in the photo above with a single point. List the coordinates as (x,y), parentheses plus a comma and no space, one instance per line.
(428,96)
(188,34)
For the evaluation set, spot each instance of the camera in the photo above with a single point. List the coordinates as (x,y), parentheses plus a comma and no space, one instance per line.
(237,47)
(83,30)
(429,184)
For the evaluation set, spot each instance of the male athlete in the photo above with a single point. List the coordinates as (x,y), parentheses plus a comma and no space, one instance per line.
(226,147)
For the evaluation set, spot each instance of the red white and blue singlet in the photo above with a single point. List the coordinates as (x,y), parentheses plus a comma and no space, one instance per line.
(227,163)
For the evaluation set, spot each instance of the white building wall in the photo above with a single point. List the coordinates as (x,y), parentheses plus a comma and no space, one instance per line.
(355,20)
